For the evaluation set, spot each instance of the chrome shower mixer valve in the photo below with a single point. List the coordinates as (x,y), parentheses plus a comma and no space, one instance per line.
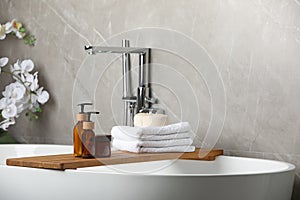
(142,101)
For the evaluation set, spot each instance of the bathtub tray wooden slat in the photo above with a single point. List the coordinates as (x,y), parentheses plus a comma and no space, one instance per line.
(68,161)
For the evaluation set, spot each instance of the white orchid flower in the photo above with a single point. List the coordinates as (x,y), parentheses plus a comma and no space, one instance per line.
(3,102)
(35,83)
(19,91)
(27,79)
(15,26)
(3,62)
(31,81)
(40,96)
(6,123)
(43,95)
(2,32)
(8,27)
(16,69)
(22,95)
(9,111)
(7,93)
(8,108)
(26,66)
(15,91)
(22,69)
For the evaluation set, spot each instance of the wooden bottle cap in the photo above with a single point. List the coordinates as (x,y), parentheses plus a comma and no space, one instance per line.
(82,117)
(88,125)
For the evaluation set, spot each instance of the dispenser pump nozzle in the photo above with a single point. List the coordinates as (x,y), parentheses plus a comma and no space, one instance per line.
(89,115)
(82,107)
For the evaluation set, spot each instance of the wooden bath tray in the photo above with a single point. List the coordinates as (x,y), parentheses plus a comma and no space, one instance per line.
(68,161)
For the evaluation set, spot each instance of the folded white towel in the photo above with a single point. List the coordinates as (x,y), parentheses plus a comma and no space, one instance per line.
(138,149)
(139,132)
(116,134)
(167,149)
(161,143)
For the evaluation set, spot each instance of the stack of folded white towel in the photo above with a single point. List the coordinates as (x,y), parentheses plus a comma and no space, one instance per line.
(171,138)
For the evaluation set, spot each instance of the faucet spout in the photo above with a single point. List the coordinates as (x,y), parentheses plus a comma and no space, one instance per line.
(140,102)
(105,49)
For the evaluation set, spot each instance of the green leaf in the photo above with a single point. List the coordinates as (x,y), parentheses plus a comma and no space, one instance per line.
(22,30)
(29,39)
(38,109)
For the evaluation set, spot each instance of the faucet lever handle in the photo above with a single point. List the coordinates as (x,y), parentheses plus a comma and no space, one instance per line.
(151,100)
(129,99)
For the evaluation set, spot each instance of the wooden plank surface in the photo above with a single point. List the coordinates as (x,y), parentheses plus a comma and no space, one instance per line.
(68,161)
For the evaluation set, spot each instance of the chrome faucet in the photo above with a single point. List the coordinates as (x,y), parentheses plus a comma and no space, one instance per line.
(143,101)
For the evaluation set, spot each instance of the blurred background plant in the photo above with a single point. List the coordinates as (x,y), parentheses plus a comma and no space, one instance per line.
(24,94)
(16,28)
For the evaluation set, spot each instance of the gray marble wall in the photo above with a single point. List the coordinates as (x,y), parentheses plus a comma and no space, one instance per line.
(253,46)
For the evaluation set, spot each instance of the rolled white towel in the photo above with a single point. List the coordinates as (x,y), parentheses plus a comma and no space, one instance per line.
(127,137)
(138,132)
(162,143)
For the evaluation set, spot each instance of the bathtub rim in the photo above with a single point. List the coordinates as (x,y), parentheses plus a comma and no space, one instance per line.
(290,168)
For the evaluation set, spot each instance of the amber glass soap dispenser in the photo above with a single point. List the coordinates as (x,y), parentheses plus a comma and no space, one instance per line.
(78,128)
(88,137)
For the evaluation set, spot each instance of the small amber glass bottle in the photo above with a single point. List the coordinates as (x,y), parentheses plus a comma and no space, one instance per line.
(77,132)
(88,140)
(78,128)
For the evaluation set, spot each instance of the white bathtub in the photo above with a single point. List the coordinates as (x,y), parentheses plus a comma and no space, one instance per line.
(226,178)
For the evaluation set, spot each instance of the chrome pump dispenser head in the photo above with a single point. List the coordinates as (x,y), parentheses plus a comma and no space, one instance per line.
(89,124)
(82,107)
(89,115)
